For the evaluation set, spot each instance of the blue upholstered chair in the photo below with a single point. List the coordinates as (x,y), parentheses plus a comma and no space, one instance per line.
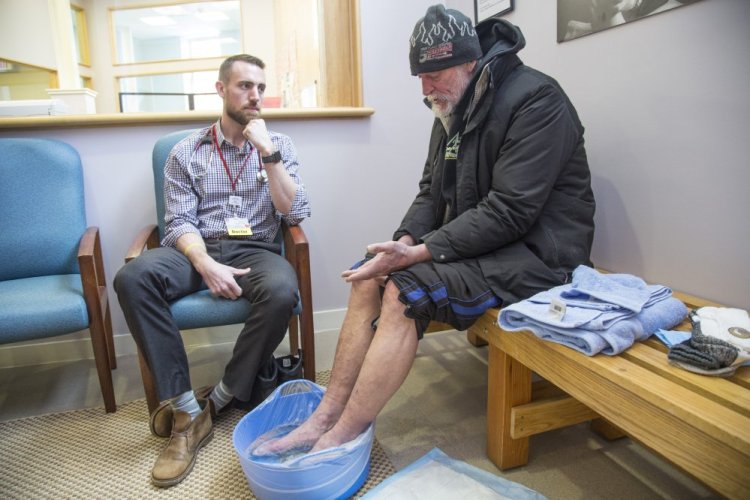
(201,309)
(51,272)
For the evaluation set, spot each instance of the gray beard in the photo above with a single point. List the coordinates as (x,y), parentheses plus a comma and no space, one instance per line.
(445,119)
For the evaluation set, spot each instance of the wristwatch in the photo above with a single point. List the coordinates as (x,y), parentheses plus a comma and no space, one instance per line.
(274,158)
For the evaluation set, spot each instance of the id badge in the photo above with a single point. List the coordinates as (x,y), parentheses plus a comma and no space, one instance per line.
(235,203)
(238,226)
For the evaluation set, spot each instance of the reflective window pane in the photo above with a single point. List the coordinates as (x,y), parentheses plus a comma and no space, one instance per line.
(170,92)
(80,35)
(176,32)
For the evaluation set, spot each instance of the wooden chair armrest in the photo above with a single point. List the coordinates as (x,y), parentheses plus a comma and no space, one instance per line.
(294,237)
(90,258)
(91,267)
(297,252)
(148,237)
(88,242)
(90,261)
(296,248)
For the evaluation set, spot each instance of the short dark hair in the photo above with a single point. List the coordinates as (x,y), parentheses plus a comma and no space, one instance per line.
(226,66)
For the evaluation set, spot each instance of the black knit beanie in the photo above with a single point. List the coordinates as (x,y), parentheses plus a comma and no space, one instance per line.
(441,39)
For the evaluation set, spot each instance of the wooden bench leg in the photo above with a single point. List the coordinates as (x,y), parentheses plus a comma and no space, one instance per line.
(508,384)
(474,339)
(606,429)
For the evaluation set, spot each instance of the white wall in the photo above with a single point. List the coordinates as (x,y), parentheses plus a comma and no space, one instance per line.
(27,20)
(663,99)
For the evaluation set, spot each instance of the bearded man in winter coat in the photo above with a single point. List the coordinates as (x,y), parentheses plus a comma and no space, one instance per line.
(504,210)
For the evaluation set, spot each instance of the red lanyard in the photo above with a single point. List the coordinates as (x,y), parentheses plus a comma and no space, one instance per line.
(226,167)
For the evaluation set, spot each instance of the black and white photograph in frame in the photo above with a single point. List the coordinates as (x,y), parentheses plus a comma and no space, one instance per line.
(577,18)
(484,9)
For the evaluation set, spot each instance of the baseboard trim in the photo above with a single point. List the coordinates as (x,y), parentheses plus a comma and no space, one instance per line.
(77,346)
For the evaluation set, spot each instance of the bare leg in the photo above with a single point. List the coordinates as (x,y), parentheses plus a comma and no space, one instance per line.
(354,340)
(386,365)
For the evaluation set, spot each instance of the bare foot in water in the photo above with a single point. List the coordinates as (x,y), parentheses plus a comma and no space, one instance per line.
(326,441)
(335,436)
(303,437)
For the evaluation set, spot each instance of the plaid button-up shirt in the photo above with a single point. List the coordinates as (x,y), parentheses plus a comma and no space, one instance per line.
(197,188)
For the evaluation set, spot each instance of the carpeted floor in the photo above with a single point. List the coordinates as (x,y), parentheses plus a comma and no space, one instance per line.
(91,454)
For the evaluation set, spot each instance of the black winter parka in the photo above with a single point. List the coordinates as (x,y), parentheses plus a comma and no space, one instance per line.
(524,207)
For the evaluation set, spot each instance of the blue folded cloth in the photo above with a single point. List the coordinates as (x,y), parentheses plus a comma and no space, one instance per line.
(672,337)
(617,289)
(604,313)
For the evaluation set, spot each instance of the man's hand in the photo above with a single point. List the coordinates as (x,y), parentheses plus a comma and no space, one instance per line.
(390,256)
(257,133)
(220,278)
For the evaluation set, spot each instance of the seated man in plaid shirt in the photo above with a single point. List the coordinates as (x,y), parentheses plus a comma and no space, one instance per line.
(227,188)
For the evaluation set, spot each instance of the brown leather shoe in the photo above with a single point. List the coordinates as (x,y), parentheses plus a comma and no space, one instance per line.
(160,422)
(188,436)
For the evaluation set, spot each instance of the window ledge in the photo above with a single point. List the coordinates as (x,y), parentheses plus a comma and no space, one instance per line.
(120,119)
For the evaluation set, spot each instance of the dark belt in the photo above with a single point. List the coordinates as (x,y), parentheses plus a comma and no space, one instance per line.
(272,247)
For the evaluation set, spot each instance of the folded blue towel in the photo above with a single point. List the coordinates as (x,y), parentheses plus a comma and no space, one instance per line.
(663,315)
(624,290)
(603,313)
(593,337)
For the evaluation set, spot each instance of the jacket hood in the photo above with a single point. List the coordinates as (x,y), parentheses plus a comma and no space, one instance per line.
(500,42)
(498,37)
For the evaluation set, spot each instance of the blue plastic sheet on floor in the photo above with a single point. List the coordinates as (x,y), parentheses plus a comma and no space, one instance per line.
(438,476)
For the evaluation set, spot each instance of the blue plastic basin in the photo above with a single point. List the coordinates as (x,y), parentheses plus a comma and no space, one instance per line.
(327,474)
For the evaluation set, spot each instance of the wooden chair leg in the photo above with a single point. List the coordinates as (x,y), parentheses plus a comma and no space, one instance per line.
(149,387)
(508,385)
(97,306)
(101,285)
(293,335)
(110,338)
(306,328)
(101,359)
(308,343)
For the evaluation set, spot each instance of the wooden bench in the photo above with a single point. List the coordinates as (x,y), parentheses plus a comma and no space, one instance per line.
(699,423)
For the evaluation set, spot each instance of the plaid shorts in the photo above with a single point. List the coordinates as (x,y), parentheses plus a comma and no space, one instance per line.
(454,293)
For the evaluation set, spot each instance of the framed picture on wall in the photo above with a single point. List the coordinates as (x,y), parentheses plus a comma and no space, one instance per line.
(490,8)
(576,18)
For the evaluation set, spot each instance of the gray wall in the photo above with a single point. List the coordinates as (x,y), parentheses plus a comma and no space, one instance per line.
(667,122)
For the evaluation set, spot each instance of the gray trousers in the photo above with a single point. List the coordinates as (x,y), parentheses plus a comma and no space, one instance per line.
(145,287)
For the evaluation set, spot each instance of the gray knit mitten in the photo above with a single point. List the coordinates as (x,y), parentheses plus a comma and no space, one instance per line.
(704,352)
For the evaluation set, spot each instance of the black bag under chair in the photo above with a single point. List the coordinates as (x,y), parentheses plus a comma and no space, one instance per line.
(272,374)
